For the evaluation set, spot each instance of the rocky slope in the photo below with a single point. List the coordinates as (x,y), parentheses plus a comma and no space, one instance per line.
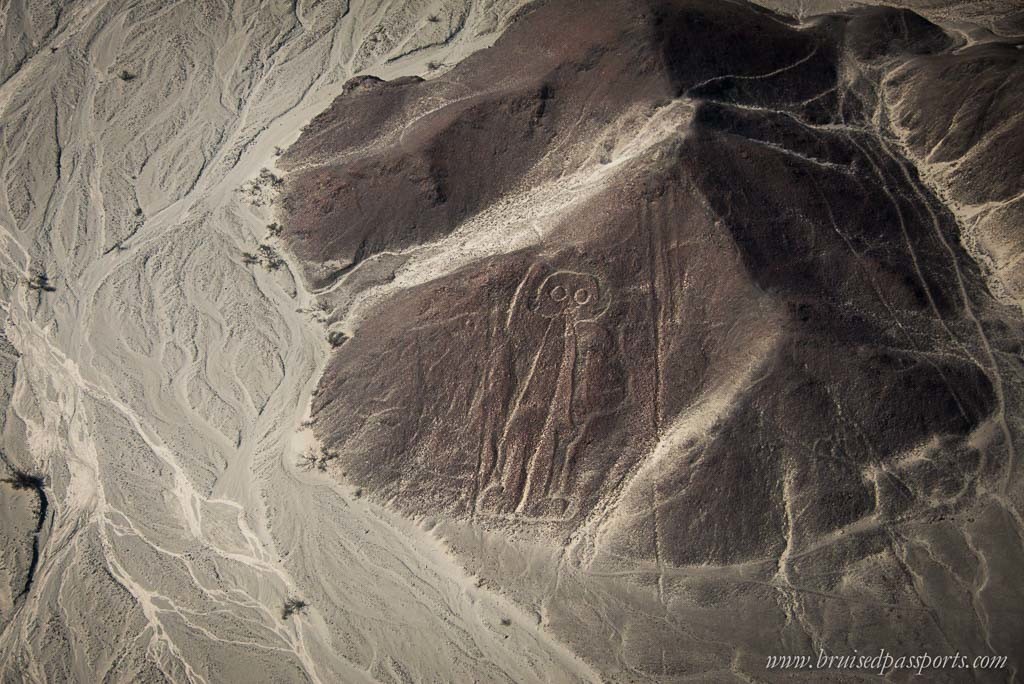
(670,315)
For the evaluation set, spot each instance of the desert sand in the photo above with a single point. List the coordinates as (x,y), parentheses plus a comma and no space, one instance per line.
(161,386)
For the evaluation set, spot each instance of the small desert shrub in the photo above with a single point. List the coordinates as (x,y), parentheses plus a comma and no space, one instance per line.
(25,480)
(308,461)
(312,460)
(41,281)
(270,258)
(126,75)
(268,177)
(293,605)
(336,338)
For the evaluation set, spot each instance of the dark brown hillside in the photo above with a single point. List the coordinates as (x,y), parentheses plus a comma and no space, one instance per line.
(753,345)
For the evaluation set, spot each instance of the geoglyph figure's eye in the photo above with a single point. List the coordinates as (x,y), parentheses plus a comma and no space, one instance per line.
(569,295)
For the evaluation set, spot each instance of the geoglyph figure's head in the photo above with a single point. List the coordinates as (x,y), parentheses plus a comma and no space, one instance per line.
(574,296)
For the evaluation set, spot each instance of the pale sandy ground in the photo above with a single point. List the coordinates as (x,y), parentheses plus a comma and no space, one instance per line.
(161,387)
